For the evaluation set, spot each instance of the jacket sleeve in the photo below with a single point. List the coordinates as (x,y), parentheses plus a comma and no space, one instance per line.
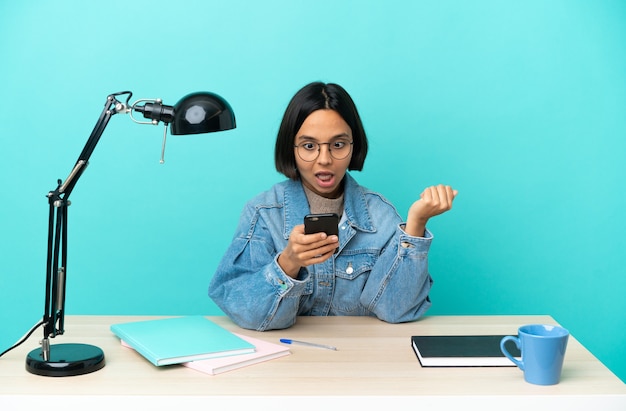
(398,287)
(249,286)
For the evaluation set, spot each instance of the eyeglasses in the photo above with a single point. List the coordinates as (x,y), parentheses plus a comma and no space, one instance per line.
(310,151)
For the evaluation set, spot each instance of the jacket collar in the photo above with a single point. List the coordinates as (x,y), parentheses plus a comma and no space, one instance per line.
(296,205)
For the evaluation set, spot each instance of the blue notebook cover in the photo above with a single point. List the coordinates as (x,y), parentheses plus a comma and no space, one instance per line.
(180,339)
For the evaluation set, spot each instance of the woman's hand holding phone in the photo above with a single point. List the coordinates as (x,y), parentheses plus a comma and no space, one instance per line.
(310,244)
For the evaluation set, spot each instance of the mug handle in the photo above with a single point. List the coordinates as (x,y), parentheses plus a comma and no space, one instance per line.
(520,364)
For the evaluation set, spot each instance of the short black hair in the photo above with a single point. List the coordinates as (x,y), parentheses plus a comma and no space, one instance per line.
(312,97)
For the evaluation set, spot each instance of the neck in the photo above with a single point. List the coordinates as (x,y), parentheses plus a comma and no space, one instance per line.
(321,204)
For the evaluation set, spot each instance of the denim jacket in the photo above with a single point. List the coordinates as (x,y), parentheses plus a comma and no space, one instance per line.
(379,270)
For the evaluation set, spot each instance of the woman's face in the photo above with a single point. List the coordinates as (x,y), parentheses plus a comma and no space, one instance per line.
(324,174)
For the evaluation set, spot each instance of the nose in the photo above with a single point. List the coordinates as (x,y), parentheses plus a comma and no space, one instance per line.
(324,156)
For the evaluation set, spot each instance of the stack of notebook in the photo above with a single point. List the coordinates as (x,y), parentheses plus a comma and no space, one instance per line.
(195,342)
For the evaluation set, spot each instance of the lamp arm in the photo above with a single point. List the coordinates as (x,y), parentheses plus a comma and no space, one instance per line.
(112,106)
(56,267)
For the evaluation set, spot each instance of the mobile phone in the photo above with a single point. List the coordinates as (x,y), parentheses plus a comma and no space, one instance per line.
(318,223)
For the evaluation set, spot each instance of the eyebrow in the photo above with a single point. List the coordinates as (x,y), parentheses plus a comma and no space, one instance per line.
(338,136)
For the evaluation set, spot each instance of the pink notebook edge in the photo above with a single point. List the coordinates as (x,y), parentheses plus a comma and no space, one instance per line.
(265,351)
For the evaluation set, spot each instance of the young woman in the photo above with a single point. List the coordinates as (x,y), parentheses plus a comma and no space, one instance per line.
(377,265)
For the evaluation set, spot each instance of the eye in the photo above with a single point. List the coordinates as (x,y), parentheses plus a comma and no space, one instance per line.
(309,146)
(339,144)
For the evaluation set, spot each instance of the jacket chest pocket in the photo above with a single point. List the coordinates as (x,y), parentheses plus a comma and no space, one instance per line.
(349,267)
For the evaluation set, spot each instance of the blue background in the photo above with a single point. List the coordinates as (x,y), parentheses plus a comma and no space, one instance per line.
(520,105)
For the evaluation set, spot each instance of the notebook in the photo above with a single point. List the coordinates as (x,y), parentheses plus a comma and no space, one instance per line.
(462,351)
(265,351)
(180,339)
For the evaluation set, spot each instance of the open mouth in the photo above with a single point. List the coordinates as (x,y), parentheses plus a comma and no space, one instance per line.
(325,179)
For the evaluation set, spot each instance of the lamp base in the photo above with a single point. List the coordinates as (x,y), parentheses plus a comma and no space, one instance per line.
(66,360)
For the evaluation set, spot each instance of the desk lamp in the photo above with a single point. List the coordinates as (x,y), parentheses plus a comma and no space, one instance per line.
(200,112)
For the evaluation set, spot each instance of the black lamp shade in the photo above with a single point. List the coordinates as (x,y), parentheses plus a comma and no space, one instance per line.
(202,112)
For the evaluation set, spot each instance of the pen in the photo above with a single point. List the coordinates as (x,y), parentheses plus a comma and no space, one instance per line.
(309,344)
